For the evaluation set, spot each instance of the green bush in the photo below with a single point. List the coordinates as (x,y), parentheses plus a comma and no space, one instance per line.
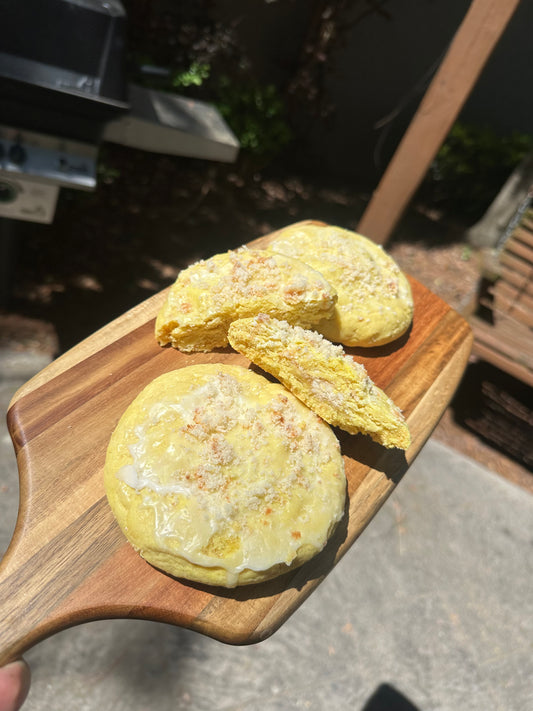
(195,75)
(256,114)
(471,167)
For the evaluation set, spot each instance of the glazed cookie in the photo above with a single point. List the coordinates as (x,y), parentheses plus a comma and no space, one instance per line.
(374,305)
(219,476)
(322,376)
(209,295)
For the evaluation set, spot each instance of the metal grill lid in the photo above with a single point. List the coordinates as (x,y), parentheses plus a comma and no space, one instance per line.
(63,55)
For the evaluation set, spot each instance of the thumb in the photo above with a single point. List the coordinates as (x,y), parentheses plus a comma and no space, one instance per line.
(14,685)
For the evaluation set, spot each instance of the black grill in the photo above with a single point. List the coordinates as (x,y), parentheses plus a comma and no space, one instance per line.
(62,65)
(63,91)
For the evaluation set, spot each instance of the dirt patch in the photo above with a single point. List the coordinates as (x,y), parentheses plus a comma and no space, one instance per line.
(152,215)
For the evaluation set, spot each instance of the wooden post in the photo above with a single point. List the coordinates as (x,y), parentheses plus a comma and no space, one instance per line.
(471,47)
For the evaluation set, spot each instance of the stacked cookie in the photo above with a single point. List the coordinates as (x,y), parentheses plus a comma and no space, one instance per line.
(218,475)
(340,283)
(210,294)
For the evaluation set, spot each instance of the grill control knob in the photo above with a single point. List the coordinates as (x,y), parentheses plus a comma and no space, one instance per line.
(8,192)
(17,154)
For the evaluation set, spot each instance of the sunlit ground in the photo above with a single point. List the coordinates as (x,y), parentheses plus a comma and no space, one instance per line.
(152,215)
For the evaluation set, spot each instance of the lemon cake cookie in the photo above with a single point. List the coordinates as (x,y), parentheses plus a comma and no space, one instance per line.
(219,476)
(207,296)
(322,376)
(375,304)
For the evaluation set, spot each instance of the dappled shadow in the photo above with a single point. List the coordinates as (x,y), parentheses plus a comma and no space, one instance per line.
(107,251)
(421,225)
(152,215)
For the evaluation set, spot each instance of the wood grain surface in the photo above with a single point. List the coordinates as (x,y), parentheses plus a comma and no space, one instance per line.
(68,561)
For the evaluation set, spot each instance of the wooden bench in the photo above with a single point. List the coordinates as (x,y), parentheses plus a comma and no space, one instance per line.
(503,323)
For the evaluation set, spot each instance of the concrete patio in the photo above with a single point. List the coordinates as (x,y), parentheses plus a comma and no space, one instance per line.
(432,609)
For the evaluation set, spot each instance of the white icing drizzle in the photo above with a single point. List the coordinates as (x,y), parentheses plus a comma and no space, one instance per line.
(246,466)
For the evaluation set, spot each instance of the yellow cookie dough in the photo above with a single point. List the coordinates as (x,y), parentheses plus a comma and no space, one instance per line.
(219,476)
(374,305)
(322,376)
(207,296)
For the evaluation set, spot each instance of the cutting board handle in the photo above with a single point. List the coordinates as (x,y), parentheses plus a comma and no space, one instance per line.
(21,600)
(69,561)
(26,607)
(39,579)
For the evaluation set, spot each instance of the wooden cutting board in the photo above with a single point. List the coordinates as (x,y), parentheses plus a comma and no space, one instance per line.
(68,561)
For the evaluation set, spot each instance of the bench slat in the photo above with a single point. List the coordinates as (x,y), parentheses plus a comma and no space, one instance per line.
(517,280)
(519,249)
(514,301)
(523,234)
(507,342)
(516,264)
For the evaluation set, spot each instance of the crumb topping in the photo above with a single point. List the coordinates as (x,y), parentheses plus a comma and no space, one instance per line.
(246,274)
(335,256)
(231,456)
(322,375)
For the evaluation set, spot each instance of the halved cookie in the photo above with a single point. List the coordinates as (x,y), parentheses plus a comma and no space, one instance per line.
(375,304)
(207,296)
(217,475)
(322,376)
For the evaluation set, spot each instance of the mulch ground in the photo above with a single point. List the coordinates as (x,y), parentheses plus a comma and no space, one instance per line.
(151,216)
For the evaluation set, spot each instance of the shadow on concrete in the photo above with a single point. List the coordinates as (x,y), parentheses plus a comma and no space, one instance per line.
(387,698)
